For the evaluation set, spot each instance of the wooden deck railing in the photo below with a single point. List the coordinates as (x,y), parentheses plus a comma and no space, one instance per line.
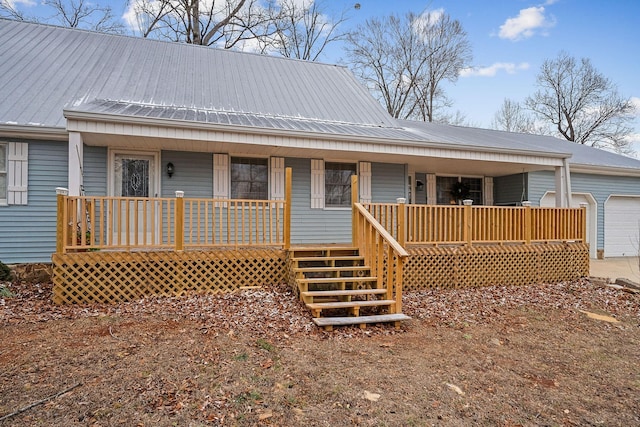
(126,223)
(431,224)
(379,249)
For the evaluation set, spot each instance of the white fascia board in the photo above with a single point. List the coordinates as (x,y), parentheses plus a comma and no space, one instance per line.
(150,127)
(33,132)
(604,170)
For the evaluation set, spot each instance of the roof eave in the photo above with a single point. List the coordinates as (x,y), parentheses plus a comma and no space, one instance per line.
(105,117)
(605,170)
(33,132)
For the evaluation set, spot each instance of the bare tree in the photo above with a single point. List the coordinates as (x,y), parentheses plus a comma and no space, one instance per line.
(581,104)
(303,29)
(457,118)
(9,10)
(403,60)
(69,13)
(84,14)
(449,51)
(224,23)
(385,55)
(511,117)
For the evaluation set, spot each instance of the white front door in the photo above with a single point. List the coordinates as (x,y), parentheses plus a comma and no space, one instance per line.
(134,176)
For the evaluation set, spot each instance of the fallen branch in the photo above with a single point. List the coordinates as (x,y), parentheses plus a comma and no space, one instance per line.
(39,402)
(115,337)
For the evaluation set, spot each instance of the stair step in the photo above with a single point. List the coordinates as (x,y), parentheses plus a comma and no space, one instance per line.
(349,304)
(325,268)
(346,292)
(341,321)
(318,280)
(329,258)
(324,250)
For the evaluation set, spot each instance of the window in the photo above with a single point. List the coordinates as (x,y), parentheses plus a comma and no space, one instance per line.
(468,188)
(444,188)
(3,173)
(337,184)
(249,178)
(475,189)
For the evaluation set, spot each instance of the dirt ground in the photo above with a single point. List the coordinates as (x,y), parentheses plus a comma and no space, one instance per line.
(500,356)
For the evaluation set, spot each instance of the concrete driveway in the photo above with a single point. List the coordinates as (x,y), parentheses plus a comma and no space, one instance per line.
(615,268)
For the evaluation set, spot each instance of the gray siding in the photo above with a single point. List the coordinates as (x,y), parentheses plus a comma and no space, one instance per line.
(539,183)
(334,225)
(28,232)
(510,190)
(599,186)
(193,174)
(387,182)
(314,225)
(95,171)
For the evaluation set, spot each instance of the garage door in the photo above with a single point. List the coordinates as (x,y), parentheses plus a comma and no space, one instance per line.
(549,201)
(621,226)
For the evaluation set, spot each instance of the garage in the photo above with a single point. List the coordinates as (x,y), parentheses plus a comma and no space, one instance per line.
(621,226)
(549,201)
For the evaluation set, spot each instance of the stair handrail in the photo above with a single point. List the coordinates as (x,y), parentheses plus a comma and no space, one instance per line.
(370,237)
(397,247)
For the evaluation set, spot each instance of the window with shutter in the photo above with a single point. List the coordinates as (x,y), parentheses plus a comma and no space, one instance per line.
(220,176)
(277,178)
(17,156)
(317,184)
(365,182)
(3,173)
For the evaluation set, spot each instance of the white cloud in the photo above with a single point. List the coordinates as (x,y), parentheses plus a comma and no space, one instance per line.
(526,24)
(12,3)
(492,70)
(427,19)
(635,101)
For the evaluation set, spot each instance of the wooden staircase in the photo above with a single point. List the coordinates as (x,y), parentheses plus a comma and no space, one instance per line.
(333,281)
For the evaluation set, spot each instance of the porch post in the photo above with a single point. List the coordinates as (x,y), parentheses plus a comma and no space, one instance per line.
(354,200)
(76,159)
(528,226)
(287,208)
(583,222)
(402,221)
(178,221)
(467,229)
(61,196)
(563,185)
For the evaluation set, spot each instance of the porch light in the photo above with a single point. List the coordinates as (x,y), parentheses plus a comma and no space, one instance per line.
(170,169)
(419,185)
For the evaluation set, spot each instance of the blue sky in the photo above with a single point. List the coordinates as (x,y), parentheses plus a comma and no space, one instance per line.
(510,39)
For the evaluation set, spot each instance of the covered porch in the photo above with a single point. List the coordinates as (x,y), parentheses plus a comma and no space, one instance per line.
(112,249)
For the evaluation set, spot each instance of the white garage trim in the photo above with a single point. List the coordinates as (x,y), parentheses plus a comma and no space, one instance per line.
(548,200)
(621,225)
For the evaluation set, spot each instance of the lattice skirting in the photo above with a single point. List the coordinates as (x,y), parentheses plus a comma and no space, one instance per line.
(107,277)
(464,266)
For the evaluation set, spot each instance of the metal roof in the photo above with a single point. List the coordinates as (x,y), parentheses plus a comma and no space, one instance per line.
(246,120)
(495,139)
(486,138)
(44,69)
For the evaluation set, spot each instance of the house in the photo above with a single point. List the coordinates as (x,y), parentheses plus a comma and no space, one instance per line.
(608,183)
(128,124)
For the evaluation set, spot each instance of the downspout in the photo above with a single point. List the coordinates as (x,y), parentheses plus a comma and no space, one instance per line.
(75,159)
(563,185)
(567,182)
